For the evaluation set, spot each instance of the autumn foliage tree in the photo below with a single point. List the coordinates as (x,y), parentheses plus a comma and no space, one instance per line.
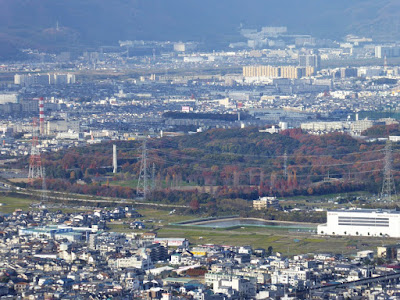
(230,164)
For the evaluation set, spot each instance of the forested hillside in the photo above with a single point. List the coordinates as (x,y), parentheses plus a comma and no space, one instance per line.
(225,164)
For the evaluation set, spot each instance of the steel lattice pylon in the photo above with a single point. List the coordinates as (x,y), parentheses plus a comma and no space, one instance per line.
(388,185)
(36,170)
(142,185)
(285,158)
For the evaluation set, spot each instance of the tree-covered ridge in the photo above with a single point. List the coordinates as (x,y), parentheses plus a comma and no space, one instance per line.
(379,131)
(220,170)
(247,141)
(231,163)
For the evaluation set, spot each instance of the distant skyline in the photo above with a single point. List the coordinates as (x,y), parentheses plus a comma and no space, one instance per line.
(215,22)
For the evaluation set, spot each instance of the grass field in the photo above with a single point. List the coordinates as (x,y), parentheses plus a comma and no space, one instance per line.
(164,217)
(133,184)
(10,204)
(154,219)
(125,183)
(284,241)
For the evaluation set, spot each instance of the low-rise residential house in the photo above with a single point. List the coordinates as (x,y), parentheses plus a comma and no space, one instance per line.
(245,288)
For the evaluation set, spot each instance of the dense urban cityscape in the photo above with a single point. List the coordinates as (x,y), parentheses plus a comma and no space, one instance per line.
(265,168)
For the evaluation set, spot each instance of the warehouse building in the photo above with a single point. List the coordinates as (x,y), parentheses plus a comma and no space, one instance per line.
(362,222)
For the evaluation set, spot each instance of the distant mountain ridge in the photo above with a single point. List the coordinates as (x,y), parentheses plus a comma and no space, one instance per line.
(101,22)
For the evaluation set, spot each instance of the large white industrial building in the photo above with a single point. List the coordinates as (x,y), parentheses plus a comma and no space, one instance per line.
(362,222)
(9,98)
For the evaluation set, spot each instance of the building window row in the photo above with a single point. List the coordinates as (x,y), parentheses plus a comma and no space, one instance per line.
(352,218)
(365,224)
(363,218)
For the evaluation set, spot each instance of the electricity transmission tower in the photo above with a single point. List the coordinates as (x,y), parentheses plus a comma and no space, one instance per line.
(153,177)
(285,172)
(142,185)
(36,170)
(388,186)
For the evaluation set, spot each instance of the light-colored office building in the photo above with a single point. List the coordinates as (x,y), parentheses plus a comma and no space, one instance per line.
(361,125)
(266,202)
(324,126)
(388,51)
(310,60)
(56,126)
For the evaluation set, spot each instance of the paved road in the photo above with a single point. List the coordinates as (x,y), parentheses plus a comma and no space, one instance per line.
(60,196)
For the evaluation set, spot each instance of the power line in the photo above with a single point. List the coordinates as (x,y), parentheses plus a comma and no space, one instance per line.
(167,155)
(166,159)
(181,156)
(199,168)
(294,155)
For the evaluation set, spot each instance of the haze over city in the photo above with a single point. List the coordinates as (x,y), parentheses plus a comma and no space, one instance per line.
(170,149)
